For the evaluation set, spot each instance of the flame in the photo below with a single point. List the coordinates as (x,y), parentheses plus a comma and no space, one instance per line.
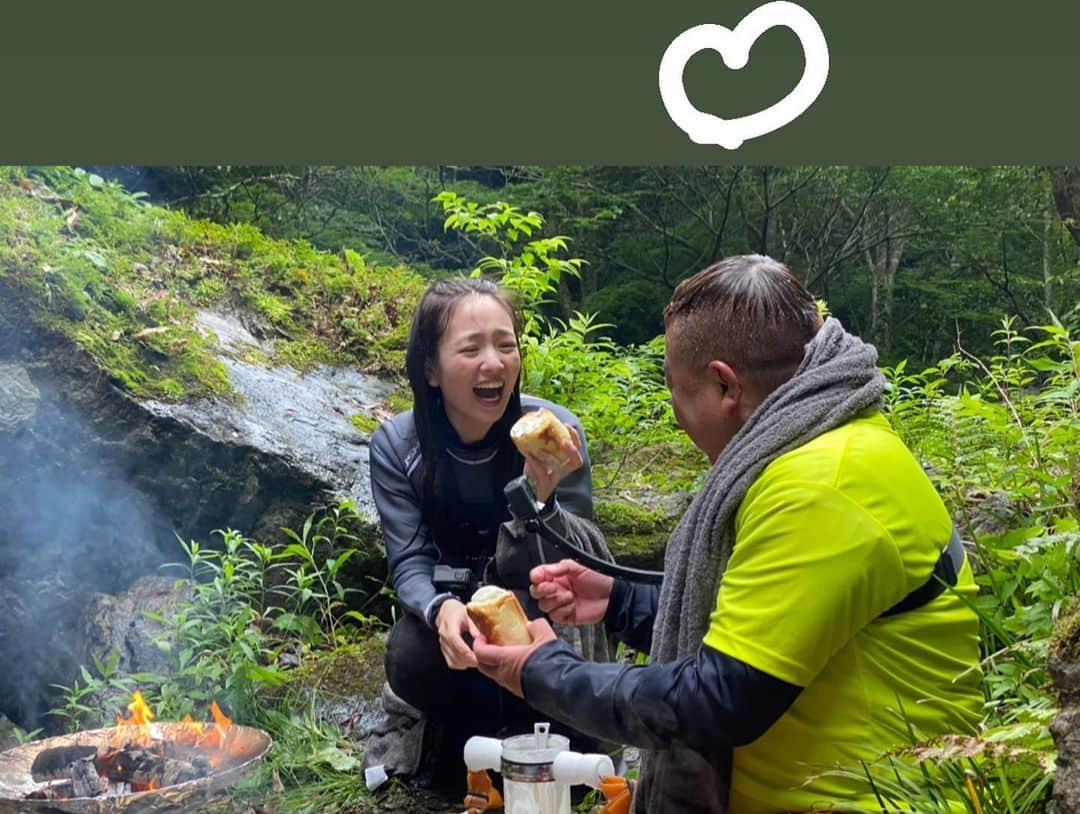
(197,733)
(134,730)
(222,722)
(220,718)
(192,724)
(140,718)
(140,710)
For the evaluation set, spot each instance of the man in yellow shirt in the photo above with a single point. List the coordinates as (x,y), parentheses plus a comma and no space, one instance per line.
(803,609)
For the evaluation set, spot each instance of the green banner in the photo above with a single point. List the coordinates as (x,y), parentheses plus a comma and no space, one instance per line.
(554,82)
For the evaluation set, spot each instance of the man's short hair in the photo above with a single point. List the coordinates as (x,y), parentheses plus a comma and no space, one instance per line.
(749,311)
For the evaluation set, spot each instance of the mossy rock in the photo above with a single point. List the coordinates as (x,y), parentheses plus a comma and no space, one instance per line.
(364,423)
(635,533)
(1064,652)
(84,259)
(349,672)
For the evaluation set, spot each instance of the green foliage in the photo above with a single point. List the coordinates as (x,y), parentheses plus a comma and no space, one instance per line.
(216,641)
(24,736)
(970,243)
(532,269)
(310,767)
(318,769)
(947,775)
(400,400)
(313,597)
(631,307)
(247,603)
(364,423)
(620,396)
(85,703)
(1012,427)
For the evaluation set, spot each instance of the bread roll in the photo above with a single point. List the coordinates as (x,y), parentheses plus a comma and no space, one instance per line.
(540,432)
(499,616)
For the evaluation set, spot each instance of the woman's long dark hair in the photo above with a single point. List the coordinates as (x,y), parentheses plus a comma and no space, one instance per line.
(429,322)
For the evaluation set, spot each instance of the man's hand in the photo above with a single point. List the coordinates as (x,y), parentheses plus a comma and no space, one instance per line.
(451,622)
(570,593)
(545,471)
(504,664)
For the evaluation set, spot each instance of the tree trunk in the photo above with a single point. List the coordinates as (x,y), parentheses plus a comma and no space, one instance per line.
(883,260)
(1065,182)
(1048,222)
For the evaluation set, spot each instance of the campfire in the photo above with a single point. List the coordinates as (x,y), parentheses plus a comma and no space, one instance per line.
(161,765)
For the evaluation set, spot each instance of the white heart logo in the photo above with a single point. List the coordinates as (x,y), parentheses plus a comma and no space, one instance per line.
(734,47)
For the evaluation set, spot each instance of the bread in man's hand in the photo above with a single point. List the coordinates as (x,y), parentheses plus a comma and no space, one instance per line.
(539,432)
(497,613)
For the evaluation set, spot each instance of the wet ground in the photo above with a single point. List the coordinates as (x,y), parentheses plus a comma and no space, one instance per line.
(411,801)
(399,799)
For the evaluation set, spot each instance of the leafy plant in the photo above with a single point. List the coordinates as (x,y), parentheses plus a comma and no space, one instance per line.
(313,562)
(85,703)
(530,268)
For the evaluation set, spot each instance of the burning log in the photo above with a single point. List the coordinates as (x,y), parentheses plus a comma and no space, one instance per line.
(85,780)
(126,770)
(55,763)
(148,769)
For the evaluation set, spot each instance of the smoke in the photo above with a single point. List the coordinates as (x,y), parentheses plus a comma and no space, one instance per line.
(71,527)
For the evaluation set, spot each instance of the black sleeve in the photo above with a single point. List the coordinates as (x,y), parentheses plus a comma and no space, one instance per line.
(410,552)
(631,611)
(699,702)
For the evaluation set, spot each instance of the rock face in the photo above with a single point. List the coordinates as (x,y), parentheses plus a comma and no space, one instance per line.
(118,623)
(637,530)
(1064,664)
(98,485)
(8,738)
(990,512)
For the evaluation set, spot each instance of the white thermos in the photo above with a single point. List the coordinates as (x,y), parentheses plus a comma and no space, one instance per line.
(538,769)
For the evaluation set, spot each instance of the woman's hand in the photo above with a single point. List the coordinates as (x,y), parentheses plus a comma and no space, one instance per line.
(545,471)
(451,622)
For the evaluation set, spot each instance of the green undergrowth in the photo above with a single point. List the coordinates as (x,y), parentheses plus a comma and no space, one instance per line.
(81,257)
(999,433)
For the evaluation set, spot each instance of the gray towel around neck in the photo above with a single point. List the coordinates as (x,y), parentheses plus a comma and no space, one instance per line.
(837,380)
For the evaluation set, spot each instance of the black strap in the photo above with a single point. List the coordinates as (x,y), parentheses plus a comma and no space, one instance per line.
(523,505)
(944,575)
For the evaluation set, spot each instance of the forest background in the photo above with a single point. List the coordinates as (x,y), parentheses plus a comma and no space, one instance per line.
(965,278)
(912,258)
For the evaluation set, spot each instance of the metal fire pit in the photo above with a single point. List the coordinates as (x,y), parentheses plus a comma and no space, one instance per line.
(242,749)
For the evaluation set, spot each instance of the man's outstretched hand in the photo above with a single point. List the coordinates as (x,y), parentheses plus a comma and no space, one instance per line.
(504,664)
(570,593)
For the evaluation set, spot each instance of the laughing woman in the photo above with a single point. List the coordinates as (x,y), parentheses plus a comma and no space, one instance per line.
(437,474)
